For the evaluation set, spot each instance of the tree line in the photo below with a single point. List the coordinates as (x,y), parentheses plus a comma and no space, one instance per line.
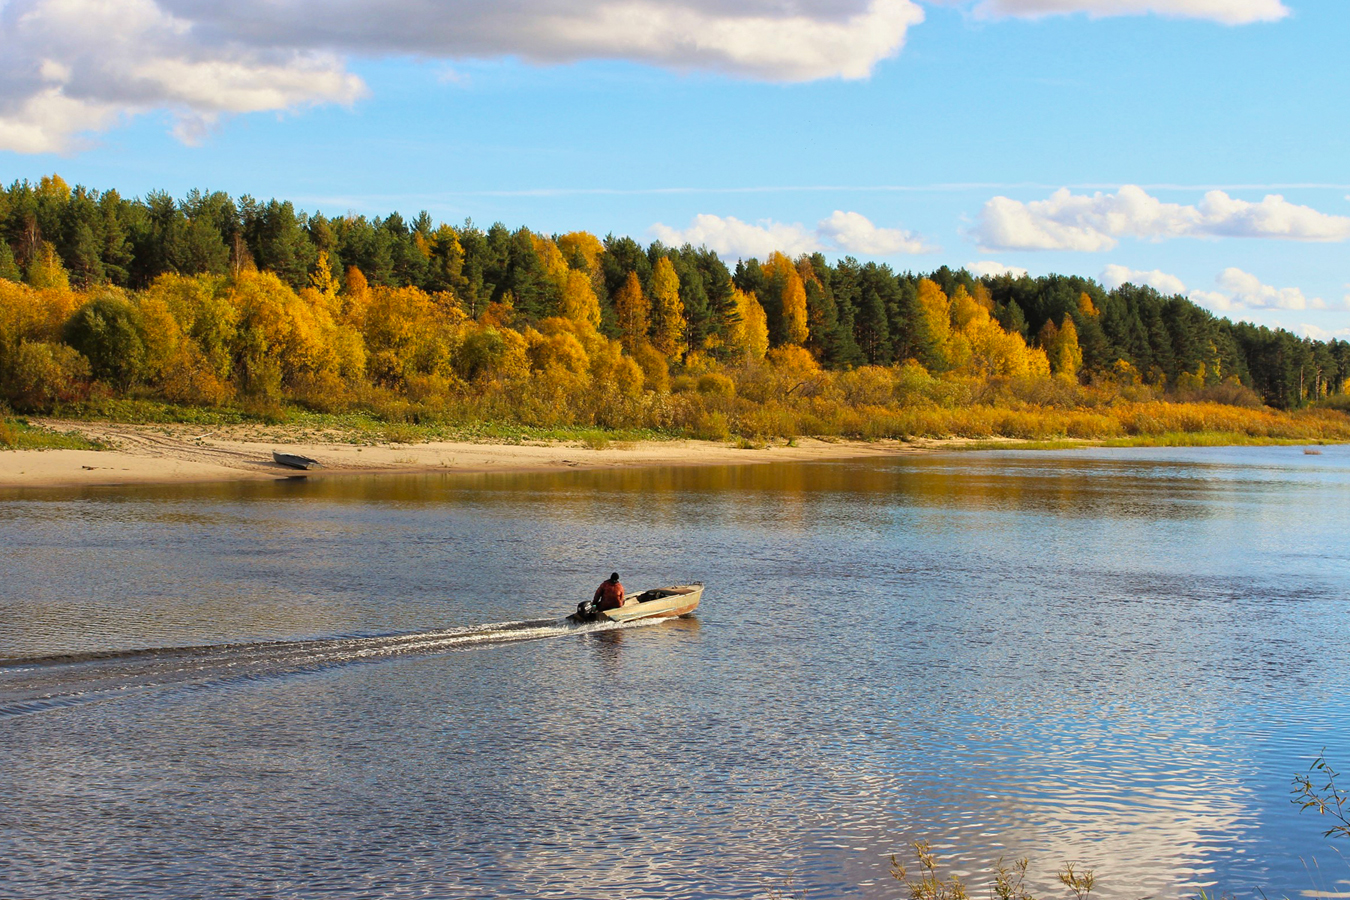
(208,296)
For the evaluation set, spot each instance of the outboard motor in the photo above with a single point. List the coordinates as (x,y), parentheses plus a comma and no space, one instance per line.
(587,611)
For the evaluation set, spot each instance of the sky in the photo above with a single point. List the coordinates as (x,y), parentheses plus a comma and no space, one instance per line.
(1198,146)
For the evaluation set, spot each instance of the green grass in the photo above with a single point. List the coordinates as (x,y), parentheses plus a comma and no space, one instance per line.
(358,427)
(19,434)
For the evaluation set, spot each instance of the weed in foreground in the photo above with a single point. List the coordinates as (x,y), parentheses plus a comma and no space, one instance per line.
(1318,790)
(1009,880)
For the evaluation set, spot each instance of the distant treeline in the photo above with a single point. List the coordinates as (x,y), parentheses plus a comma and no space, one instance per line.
(209,299)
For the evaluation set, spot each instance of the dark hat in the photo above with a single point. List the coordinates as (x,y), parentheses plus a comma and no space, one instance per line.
(614,576)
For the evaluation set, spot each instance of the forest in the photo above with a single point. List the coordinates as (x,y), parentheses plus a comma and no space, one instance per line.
(213,302)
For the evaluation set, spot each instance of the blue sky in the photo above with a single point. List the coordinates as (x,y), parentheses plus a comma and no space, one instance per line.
(844,125)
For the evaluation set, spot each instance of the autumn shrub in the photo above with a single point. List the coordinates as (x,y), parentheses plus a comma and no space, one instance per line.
(913,384)
(1228,393)
(683,383)
(322,392)
(866,385)
(1059,393)
(767,421)
(712,426)
(716,384)
(655,371)
(9,434)
(43,375)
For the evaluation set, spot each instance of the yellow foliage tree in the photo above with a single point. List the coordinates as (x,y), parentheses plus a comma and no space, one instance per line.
(578,301)
(978,345)
(162,336)
(964,308)
(323,281)
(936,311)
(1061,347)
(786,284)
(407,333)
(357,298)
(45,270)
(667,310)
(576,297)
(582,245)
(632,310)
(205,314)
(748,335)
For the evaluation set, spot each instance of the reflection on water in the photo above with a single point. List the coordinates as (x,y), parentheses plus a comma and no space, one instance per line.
(1113,657)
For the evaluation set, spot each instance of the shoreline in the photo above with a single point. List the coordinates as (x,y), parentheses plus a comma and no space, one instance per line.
(181,454)
(158,454)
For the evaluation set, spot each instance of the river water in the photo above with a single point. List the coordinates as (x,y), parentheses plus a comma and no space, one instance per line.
(359,687)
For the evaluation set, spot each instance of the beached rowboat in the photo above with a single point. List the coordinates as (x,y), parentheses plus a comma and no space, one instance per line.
(657,603)
(294,461)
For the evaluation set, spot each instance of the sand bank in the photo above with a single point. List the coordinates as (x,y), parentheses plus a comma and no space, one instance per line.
(165,454)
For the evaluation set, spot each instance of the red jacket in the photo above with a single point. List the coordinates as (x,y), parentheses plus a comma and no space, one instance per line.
(609,594)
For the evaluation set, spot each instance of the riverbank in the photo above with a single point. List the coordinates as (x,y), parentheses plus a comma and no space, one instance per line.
(176,453)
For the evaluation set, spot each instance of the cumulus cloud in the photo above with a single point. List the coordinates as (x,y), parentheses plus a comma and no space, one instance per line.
(854,233)
(1067,221)
(1228,12)
(1318,333)
(1114,276)
(74,66)
(988,267)
(1239,290)
(845,232)
(732,237)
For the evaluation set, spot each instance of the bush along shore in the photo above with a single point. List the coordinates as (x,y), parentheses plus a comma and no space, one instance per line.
(208,308)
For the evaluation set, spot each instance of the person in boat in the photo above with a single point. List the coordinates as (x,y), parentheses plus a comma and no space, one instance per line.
(609,595)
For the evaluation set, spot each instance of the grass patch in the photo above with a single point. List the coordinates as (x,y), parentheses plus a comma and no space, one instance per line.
(1064,444)
(1206,439)
(596,440)
(20,434)
(402,434)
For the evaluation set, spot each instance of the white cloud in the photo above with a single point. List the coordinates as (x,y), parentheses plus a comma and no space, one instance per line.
(1078,222)
(1318,333)
(854,233)
(1113,276)
(69,67)
(1239,290)
(987,267)
(1228,12)
(732,237)
(845,232)
(74,66)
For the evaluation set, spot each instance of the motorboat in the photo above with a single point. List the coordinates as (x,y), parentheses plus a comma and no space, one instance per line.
(294,461)
(656,603)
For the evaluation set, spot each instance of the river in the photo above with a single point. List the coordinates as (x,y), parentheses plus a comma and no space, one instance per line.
(359,687)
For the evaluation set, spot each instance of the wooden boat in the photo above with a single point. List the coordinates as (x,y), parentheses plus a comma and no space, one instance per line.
(1311,452)
(294,461)
(657,603)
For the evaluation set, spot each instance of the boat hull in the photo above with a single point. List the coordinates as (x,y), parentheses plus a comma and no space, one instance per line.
(658,603)
(294,461)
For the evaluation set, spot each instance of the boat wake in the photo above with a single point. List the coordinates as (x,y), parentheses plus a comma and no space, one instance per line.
(38,684)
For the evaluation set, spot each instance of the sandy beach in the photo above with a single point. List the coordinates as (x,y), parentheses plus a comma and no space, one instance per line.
(164,454)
